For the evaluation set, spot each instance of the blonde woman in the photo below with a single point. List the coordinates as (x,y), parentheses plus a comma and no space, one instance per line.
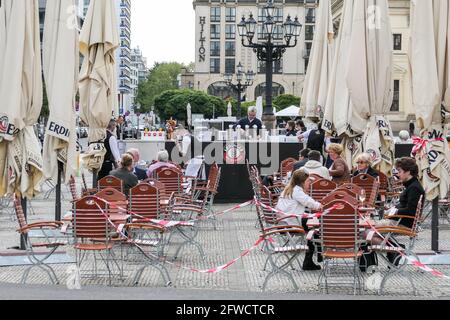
(294,201)
(339,171)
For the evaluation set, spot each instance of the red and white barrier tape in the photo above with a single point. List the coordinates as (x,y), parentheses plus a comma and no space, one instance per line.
(414,262)
(421,144)
(207,271)
(285,215)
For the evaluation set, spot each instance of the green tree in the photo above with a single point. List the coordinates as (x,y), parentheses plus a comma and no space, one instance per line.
(286,100)
(173,103)
(162,77)
(45,111)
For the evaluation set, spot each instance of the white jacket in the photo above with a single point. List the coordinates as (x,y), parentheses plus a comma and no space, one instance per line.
(297,205)
(315,167)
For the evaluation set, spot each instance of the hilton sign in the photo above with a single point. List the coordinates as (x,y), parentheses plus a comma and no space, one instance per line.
(202,50)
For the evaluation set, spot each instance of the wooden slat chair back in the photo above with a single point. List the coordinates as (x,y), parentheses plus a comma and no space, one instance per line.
(339,228)
(172,179)
(287,166)
(110,182)
(117,201)
(321,188)
(370,185)
(383,183)
(342,195)
(89,220)
(73,189)
(267,198)
(351,188)
(145,202)
(19,213)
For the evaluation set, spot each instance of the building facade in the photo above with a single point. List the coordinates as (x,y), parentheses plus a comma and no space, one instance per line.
(402,110)
(139,70)
(123,57)
(219,49)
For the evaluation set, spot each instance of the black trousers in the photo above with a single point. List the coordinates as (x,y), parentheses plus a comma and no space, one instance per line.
(107,167)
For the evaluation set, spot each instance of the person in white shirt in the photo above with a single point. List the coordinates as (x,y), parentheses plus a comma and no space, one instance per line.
(112,157)
(294,201)
(314,166)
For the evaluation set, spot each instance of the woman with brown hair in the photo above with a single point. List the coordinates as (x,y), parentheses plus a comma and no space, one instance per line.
(339,171)
(290,129)
(125,173)
(294,201)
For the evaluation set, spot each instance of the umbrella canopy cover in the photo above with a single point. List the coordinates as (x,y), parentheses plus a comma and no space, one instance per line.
(317,78)
(229,110)
(61,61)
(430,66)
(369,79)
(290,112)
(189,114)
(21,96)
(259,107)
(98,88)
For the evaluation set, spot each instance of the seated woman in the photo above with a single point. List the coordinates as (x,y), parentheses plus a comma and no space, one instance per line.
(339,171)
(290,129)
(163,162)
(294,201)
(408,172)
(363,163)
(125,173)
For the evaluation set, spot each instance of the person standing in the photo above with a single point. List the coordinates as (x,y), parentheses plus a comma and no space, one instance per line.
(250,121)
(112,156)
(315,139)
(412,129)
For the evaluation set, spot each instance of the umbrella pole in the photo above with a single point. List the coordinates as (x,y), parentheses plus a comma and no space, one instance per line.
(94,179)
(23,237)
(435,226)
(58,194)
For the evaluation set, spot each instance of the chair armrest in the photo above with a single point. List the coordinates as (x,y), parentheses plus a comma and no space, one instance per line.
(282,228)
(191,208)
(40,225)
(286,230)
(400,217)
(144,226)
(398,231)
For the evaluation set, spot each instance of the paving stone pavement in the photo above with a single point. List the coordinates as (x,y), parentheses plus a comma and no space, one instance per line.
(236,233)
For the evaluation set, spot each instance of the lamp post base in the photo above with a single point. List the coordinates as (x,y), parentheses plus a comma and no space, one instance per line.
(270,121)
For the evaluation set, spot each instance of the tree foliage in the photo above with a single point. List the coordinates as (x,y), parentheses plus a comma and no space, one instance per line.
(173,103)
(286,100)
(162,77)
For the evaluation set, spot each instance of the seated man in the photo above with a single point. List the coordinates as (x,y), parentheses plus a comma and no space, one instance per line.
(163,162)
(140,173)
(363,164)
(303,159)
(125,174)
(314,165)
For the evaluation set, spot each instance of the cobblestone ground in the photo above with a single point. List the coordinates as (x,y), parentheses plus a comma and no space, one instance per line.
(236,232)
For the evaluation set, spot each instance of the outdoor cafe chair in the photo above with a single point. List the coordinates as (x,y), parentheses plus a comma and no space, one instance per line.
(172,180)
(283,245)
(39,235)
(370,186)
(287,166)
(392,249)
(321,188)
(343,195)
(339,237)
(110,182)
(94,233)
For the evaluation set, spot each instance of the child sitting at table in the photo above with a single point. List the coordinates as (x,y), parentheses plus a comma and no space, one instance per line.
(294,201)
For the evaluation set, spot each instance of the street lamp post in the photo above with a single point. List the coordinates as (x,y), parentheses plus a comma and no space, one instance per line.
(268,51)
(241,85)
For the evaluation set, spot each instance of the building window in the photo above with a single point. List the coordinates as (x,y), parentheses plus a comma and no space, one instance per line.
(398,41)
(214,65)
(309,33)
(277,90)
(277,16)
(222,90)
(230,14)
(396,101)
(230,65)
(230,31)
(215,14)
(230,49)
(310,15)
(215,31)
(277,67)
(215,49)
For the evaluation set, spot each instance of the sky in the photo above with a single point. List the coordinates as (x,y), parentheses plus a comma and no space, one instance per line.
(164,30)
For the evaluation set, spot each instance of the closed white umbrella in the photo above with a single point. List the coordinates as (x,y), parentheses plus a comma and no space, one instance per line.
(321,59)
(430,66)
(189,115)
(21,96)
(98,88)
(369,79)
(61,63)
(229,110)
(260,107)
